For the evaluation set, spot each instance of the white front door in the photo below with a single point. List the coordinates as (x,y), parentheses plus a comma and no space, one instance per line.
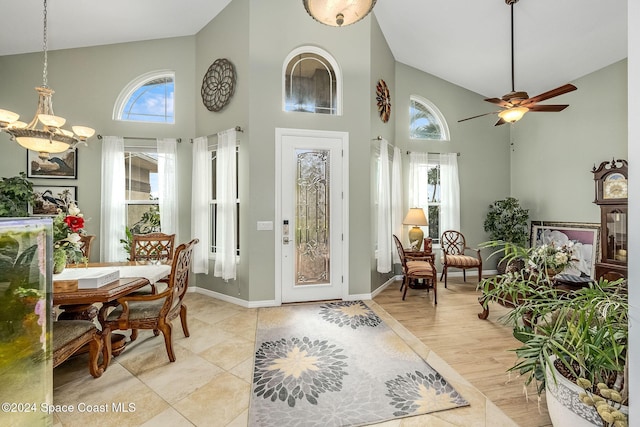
(311,217)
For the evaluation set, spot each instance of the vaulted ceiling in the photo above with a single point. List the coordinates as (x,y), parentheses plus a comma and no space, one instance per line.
(466,42)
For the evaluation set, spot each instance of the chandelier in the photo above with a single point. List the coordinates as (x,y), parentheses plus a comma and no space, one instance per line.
(338,13)
(44,133)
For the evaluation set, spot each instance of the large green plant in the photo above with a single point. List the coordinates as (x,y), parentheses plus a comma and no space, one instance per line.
(507,221)
(586,330)
(16,193)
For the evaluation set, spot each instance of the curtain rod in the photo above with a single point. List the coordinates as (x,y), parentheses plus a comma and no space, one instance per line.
(409,152)
(237,128)
(140,138)
(379,138)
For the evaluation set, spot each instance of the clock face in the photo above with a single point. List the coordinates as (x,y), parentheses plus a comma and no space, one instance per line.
(614,187)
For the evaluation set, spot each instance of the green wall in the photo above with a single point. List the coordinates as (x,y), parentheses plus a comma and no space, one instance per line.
(484,152)
(553,154)
(87,82)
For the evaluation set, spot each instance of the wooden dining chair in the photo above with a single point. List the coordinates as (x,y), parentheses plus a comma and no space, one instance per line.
(152,247)
(85,245)
(69,336)
(417,267)
(454,254)
(156,311)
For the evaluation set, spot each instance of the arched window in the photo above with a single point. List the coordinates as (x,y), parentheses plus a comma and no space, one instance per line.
(147,98)
(426,121)
(311,82)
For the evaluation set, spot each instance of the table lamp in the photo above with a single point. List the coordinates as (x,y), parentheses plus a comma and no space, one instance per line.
(417,218)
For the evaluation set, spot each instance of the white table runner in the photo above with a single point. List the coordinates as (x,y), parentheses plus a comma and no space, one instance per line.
(152,273)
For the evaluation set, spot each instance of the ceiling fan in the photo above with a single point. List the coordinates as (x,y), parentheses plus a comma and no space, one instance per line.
(516,104)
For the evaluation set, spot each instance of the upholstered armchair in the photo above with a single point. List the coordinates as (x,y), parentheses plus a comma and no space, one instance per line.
(454,255)
(415,267)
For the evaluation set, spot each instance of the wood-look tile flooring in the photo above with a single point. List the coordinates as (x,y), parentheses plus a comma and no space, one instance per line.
(210,383)
(476,349)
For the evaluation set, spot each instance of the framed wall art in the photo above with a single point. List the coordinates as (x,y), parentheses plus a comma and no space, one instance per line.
(51,197)
(584,236)
(61,165)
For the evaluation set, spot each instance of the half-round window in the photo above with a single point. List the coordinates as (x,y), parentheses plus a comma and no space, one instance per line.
(311,82)
(426,121)
(148,98)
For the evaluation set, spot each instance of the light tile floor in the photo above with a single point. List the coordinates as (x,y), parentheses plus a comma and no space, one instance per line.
(210,382)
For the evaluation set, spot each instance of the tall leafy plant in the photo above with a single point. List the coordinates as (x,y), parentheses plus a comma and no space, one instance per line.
(507,221)
(16,193)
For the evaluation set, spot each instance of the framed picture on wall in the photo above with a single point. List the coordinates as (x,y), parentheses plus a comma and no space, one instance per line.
(584,236)
(61,165)
(50,197)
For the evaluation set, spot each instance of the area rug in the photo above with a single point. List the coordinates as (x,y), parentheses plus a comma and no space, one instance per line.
(338,364)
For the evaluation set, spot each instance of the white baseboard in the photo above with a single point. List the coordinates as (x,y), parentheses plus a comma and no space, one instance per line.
(353,297)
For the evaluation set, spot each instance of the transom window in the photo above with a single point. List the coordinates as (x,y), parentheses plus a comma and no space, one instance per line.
(426,121)
(311,82)
(148,98)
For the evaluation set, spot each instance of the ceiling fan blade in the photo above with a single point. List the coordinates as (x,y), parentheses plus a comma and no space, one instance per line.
(500,122)
(550,94)
(548,108)
(499,102)
(479,115)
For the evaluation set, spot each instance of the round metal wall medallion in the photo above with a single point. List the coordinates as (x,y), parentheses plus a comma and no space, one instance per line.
(218,84)
(383,99)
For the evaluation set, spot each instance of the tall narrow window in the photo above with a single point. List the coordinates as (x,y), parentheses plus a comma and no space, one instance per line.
(311,82)
(426,121)
(141,191)
(148,98)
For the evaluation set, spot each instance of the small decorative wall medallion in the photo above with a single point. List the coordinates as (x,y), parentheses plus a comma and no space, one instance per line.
(384,101)
(218,84)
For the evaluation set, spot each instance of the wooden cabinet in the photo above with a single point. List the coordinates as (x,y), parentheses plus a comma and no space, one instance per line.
(611,196)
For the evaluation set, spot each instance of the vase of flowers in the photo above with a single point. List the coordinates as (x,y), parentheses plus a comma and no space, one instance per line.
(68,226)
(550,259)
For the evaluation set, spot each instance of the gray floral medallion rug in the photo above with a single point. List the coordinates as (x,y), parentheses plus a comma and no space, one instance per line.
(338,364)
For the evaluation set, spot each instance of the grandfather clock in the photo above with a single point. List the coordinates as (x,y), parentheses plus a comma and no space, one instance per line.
(611,196)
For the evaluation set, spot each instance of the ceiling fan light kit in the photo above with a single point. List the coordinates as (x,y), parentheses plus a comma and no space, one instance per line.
(517,103)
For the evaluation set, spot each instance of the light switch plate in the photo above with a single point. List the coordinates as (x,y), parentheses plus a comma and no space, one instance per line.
(265,225)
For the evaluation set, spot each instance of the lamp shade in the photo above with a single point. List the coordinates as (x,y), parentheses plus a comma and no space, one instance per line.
(338,13)
(513,114)
(415,216)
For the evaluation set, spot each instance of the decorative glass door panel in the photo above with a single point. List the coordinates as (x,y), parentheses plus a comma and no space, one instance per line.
(311,212)
(312,217)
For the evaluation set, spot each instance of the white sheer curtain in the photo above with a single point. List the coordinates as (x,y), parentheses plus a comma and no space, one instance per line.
(384,210)
(112,213)
(397,211)
(225,264)
(167,185)
(418,170)
(450,207)
(200,196)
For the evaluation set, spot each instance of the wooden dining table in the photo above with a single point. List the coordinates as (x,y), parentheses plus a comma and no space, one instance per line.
(79,303)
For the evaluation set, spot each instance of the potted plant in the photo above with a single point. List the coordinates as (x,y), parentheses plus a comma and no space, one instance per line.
(566,335)
(16,194)
(507,222)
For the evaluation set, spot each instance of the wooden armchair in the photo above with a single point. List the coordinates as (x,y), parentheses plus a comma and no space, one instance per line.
(156,311)
(417,267)
(69,336)
(85,244)
(152,247)
(454,247)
